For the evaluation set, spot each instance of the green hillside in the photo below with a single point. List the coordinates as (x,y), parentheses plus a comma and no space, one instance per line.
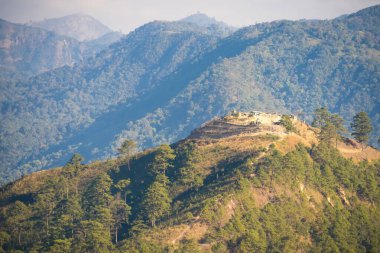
(241,183)
(166,78)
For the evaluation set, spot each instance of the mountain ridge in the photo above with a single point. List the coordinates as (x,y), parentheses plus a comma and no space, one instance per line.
(79,26)
(30,50)
(285,66)
(219,191)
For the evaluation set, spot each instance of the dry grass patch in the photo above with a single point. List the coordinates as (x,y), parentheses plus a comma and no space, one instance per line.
(352,149)
(173,235)
(30,183)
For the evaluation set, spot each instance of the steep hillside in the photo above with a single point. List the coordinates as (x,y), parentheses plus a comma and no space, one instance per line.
(28,51)
(240,183)
(134,71)
(79,26)
(92,47)
(166,78)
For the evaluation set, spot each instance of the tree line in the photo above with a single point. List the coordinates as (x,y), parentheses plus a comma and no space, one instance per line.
(332,127)
(107,213)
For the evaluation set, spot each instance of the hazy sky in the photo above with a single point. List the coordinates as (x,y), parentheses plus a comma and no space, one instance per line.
(125,15)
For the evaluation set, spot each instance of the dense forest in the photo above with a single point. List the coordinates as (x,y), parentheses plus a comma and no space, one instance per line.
(258,193)
(165,78)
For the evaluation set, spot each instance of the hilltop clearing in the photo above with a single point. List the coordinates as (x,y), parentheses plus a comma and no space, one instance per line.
(240,183)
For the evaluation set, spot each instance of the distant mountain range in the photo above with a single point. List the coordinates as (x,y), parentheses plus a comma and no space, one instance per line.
(29,50)
(79,26)
(165,78)
(202,20)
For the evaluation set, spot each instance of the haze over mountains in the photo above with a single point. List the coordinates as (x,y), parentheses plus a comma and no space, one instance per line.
(28,50)
(165,78)
(79,26)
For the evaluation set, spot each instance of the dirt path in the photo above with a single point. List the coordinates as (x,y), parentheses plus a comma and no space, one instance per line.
(181,235)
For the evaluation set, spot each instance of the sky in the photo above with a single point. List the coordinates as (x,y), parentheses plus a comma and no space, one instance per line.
(126,15)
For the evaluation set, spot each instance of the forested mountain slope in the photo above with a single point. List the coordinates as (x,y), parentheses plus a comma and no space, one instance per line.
(28,50)
(166,78)
(58,104)
(240,183)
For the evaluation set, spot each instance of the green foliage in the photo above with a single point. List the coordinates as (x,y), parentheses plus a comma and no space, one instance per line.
(70,174)
(122,186)
(331,125)
(163,158)
(76,160)
(68,214)
(310,199)
(98,195)
(139,245)
(94,237)
(286,121)
(156,201)
(17,222)
(127,149)
(362,127)
(166,78)
(188,246)
(4,238)
(120,214)
(189,175)
(60,246)
(211,211)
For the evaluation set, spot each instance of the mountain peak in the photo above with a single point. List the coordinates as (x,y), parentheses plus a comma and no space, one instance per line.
(79,26)
(202,19)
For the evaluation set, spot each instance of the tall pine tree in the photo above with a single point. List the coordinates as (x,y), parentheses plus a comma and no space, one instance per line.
(156,202)
(361,126)
(163,158)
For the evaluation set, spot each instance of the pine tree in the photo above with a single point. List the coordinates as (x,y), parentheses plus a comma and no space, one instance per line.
(68,215)
(45,205)
(321,116)
(189,174)
(163,158)
(71,172)
(76,160)
(122,186)
(96,229)
(98,196)
(61,246)
(339,129)
(120,213)
(331,125)
(18,215)
(127,149)
(156,202)
(362,128)
(93,237)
